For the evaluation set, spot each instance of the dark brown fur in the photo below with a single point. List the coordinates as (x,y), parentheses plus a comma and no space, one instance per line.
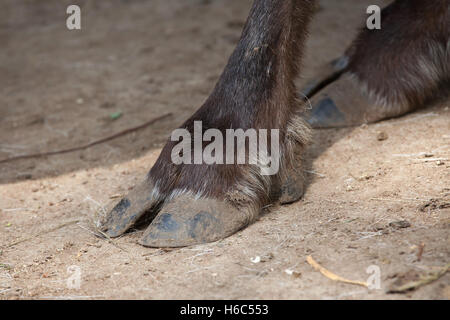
(406,61)
(256,90)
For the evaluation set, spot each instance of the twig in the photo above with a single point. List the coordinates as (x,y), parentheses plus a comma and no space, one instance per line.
(420,251)
(15,209)
(91,144)
(316,173)
(200,269)
(41,233)
(6,290)
(331,275)
(100,234)
(370,234)
(70,297)
(6,266)
(431,159)
(423,280)
(400,200)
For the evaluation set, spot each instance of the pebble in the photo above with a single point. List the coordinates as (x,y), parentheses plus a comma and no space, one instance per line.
(381,136)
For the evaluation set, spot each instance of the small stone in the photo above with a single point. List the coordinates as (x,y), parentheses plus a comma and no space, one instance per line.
(293,273)
(365,177)
(256,259)
(381,136)
(400,224)
(267,257)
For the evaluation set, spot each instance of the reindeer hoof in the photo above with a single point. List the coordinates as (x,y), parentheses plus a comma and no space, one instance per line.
(344,103)
(187,221)
(325,114)
(292,190)
(183,221)
(130,209)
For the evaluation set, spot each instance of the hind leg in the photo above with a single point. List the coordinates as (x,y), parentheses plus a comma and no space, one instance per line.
(385,73)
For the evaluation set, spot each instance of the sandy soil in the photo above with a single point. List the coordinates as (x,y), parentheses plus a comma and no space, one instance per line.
(58,89)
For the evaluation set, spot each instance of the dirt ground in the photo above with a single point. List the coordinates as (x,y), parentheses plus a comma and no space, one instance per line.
(59,88)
